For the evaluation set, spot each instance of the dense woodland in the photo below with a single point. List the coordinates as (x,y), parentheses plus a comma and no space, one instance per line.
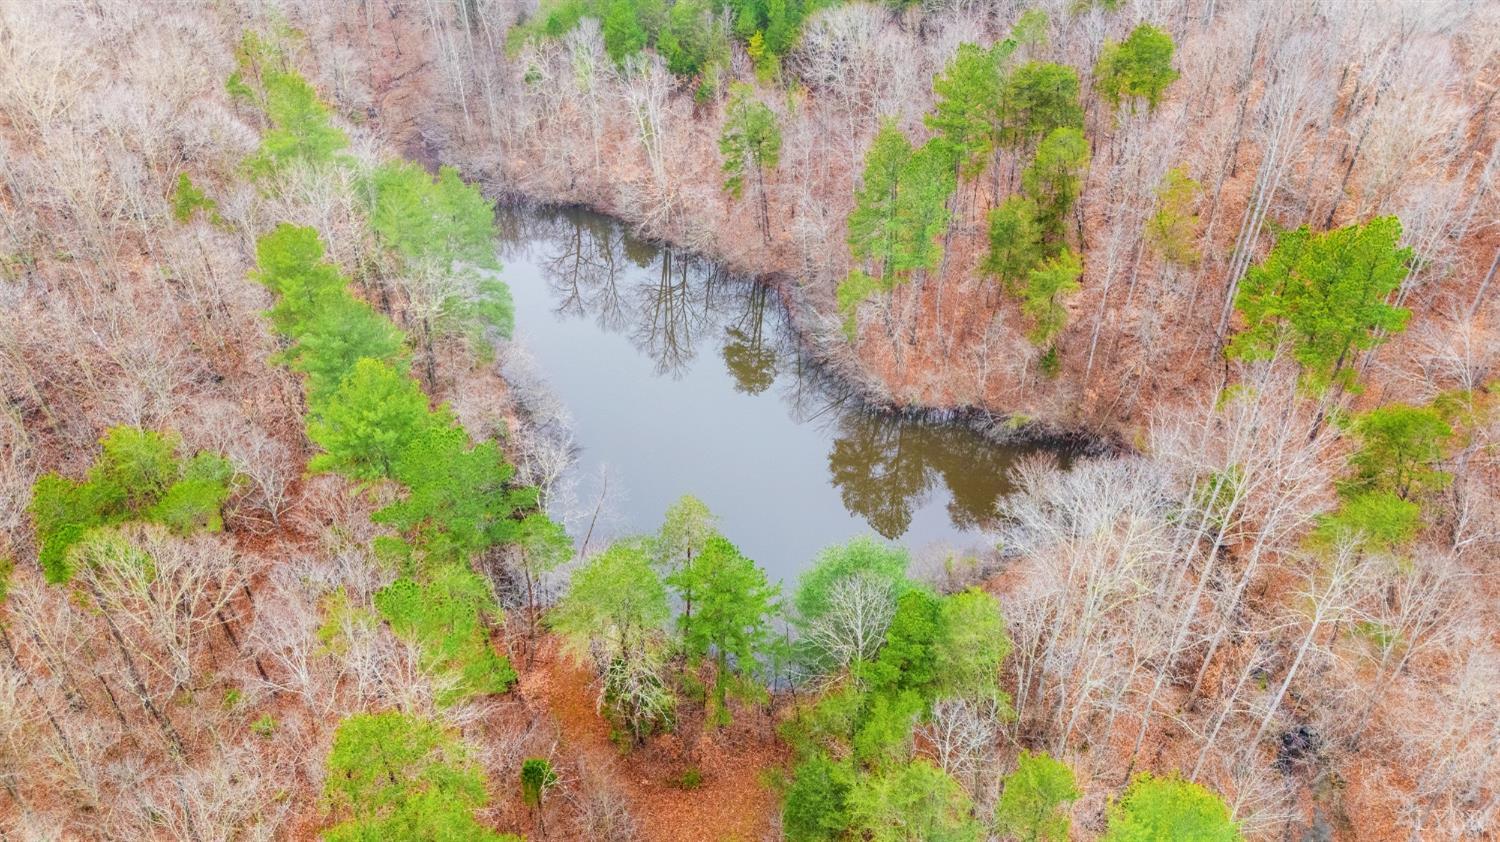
(279,551)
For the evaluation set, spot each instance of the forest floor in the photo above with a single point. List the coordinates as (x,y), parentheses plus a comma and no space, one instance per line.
(733,801)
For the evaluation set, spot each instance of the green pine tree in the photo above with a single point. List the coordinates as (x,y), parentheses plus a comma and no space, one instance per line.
(1324,296)
(1034,802)
(396,776)
(1153,809)
(1139,68)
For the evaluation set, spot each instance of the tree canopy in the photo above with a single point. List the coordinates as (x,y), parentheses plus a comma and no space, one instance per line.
(1154,808)
(1138,68)
(1324,296)
(1034,799)
(139,475)
(396,776)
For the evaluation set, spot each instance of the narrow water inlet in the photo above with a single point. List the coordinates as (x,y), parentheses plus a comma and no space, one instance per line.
(681,378)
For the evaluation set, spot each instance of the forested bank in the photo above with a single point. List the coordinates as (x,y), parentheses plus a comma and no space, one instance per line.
(275,559)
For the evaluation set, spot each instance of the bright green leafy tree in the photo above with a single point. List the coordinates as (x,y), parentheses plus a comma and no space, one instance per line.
(139,475)
(302,131)
(1399,447)
(914,801)
(1140,67)
(1153,809)
(614,611)
(1033,806)
(1374,520)
(735,608)
(430,220)
(860,556)
(685,531)
(1324,297)
(972,648)
(396,776)
(446,616)
(443,228)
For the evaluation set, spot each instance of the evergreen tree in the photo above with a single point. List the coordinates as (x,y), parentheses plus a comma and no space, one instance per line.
(290,264)
(429,221)
(1140,67)
(188,199)
(368,421)
(138,475)
(342,332)
(909,659)
(395,776)
(964,114)
(1153,809)
(1037,99)
(1033,804)
(735,608)
(816,805)
(1399,446)
(1015,241)
(923,208)
(1054,180)
(751,142)
(1324,296)
(1047,286)
(458,500)
(875,222)
(623,34)
(302,132)
(853,291)
(1173,229)
(447,615)
(537,776)
(691,39)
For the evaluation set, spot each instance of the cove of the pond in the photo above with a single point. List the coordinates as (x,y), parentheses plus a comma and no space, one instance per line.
(681,378)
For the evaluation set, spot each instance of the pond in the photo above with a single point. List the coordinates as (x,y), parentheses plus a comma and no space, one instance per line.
(681,378)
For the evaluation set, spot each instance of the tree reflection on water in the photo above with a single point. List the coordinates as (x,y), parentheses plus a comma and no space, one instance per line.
(670,304)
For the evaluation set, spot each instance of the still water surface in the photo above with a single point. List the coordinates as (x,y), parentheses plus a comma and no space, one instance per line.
(683,379)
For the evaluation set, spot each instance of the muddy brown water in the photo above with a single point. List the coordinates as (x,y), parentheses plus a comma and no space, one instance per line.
(680,378)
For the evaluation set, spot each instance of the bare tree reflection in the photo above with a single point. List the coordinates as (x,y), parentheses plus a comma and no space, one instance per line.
(671,313)
(668,303)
